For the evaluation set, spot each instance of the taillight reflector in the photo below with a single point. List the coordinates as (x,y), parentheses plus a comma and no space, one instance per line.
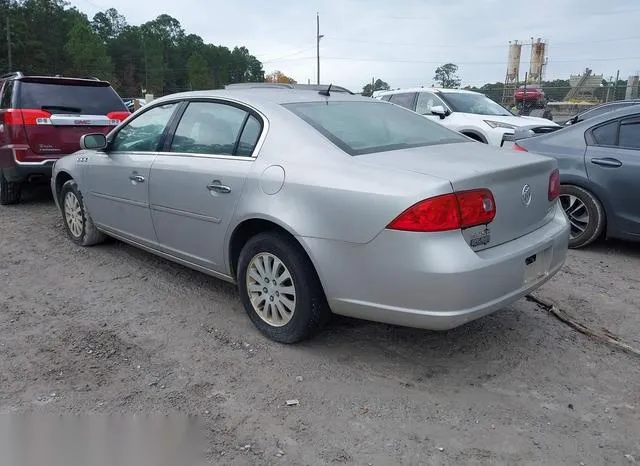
(554,185)
(519,148)
(120,116)
(453,211)
(26,117)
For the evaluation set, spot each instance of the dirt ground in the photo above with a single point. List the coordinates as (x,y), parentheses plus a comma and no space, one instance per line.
(112,329)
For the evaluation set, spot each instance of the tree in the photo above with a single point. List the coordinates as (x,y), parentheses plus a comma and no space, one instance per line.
(279,77)
(87,53)
(199,73)
(159,55)
(446,76)
(378,85)
(108,24)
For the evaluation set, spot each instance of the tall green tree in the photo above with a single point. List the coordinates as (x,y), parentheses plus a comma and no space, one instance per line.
(87,53)
(199,73)
(159,56)
(446,75)
(378,85)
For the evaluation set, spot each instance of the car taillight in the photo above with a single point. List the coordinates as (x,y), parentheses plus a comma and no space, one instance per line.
(554,185)
(453,211)
(519,148)
(26,117)
(119,116)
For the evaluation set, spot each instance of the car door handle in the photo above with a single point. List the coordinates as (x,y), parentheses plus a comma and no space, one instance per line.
(607,162)
(218,187)
(136,178)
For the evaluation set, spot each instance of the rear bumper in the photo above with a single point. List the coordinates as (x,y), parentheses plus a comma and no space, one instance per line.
(435,282)
(29,173)
(38,167)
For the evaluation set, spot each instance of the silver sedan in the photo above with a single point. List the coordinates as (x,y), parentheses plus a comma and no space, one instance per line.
(319,202)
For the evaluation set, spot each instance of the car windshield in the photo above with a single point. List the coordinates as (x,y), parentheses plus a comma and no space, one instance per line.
(64,98)
(466,102)
(368,127)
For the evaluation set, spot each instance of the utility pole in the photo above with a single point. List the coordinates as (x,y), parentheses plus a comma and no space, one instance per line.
(9,58)
(615,86)
(318,37)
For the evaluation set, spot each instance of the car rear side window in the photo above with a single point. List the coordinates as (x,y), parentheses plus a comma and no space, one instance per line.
(209,128)
(69,98)
(368,127)
(606,135)
(249,138)
(405,100)
(630,134)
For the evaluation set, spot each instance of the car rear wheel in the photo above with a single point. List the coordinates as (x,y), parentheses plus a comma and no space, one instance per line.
(585,214)
(10,192)
(77,221)
(280,289)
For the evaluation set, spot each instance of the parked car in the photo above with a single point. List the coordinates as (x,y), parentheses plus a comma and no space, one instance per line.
(42,119)
(599,162)
(529,93)
(600,110)
(471,113)
(316,202)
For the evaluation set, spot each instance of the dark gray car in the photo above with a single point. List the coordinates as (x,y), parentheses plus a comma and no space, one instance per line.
(599,163)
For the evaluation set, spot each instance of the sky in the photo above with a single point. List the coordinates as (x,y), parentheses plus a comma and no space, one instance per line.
(403,41)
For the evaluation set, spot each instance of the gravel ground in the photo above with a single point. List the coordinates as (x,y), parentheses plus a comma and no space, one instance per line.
(112,329)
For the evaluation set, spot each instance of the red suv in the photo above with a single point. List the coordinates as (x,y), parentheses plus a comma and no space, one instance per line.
(42,119)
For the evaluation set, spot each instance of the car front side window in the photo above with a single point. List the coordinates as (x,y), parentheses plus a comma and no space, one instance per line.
(426,101)
(214,128)
(144,133)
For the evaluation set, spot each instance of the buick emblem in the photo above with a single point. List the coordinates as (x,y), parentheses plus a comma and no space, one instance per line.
(526,194)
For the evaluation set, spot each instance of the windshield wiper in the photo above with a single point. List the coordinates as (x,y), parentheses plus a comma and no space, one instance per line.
(61,108)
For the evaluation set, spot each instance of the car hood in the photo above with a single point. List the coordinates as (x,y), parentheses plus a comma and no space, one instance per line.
(518,121)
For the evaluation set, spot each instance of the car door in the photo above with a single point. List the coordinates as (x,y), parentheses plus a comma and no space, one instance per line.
(117,179)
(198,178)
(612,159)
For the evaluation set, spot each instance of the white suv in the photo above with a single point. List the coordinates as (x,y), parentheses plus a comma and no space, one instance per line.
(471,113)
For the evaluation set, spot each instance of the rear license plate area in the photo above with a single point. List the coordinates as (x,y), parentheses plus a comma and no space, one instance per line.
(536,266)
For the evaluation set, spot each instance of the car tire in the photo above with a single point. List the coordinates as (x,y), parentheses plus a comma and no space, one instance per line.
(10,191)
(76,218)
(290,308)
(585,213)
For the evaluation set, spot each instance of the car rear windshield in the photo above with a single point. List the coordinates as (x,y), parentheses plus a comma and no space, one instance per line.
(367,127)
(65,98)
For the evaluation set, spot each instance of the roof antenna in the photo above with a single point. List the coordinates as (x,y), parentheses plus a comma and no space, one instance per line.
(327,92)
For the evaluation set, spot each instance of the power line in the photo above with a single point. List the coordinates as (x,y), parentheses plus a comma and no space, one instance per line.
(473,18)
(457,46)
(292,54)
(392,60)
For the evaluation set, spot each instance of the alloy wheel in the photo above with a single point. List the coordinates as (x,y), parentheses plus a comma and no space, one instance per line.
(271,289)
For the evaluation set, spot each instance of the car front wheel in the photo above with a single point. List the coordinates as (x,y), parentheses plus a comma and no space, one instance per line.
(77,221)
(280,289)
(585,214)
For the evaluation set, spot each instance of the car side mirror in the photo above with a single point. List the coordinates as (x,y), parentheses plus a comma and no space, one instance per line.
(95,141)
(439,110)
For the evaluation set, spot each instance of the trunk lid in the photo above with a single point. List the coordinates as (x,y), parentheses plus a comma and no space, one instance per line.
(56,112)
(473,165)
